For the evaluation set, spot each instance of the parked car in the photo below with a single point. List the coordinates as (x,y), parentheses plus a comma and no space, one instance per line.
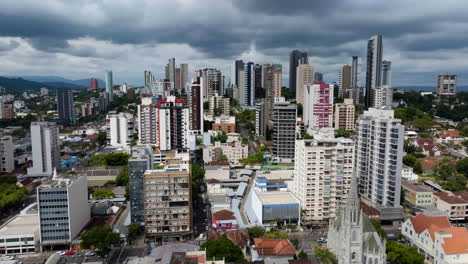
(61,253)
(9,258)
(90,253)
(70,253)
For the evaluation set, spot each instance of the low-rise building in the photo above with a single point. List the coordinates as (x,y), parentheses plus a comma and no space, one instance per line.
(436,239)
(417,195)
(265,207)
(408,174)
(274,250)
(232,153)
(453,204)
(226,124)
(224,219)
(219,105)
(20,235)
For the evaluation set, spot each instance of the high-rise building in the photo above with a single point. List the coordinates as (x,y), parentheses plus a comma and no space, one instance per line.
(272,81)
(94,84)
(248,92)
(65,106)
(304,76)
(355,72)
(121,129)
(171,69)
(323,169)
(387,73)
(344,83)
(140,161)
(237,70)
(7,111)
(258,80)
(344,115)
(63,209)
(219,105)
(44,91)
(211,82)
(318,77)
(318,105)
(164,124)
(374,67)
(184,78)
(283,119)
(45,149)
(262,115)
(168,199)
(103,102)
(382,97)
(195,102)
(296,57)
(177,84)
(109,85)
(447,84)
(379,148)
(7,154)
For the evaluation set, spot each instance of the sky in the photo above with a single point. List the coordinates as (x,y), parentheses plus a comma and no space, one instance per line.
(82,38)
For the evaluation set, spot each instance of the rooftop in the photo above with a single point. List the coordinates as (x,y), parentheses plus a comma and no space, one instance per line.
(276,198)
(452,198)
(422,222)
(416,188)
(223,215)
(21,224)
(274,247)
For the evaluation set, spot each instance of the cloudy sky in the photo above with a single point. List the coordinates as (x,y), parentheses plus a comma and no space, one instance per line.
(82,38)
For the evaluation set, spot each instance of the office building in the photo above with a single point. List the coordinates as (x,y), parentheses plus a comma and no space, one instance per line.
(211,82)
(417,195)
(318,105)
(387,73)
(7,154)
(296,58)
(140,161)
(45,149)
(94,84)
(379,148)
(247,94)
(304,76)
(167,195)
(447,84)
(258,80)
(344,115)
(374,67)
(318,77)
(219,105)
(323,169)
(103,102)
(184,77)
(109,85)
(147,121)
(355,72)
(65,106)
(272,81)
(344,81)
(121,129)
(237,73)
(63,209)
(170,70)
(195,102)
(283,119)
(262,116)
(177,83)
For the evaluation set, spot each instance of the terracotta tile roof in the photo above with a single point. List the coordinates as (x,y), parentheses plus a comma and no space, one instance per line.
(429,163)
(212,181)
(451,198)
(424,141)
(274,247)
(458,243)
(449,133)
(213,235)
(201,258)
(224,215)
(422,222)
(238,237)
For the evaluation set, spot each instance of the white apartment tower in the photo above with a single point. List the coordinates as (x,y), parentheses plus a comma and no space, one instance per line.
(344,114)
(379,151)
(7,154)
(318,105)
(121,129)
(323,170)
(304,76)
(45,149)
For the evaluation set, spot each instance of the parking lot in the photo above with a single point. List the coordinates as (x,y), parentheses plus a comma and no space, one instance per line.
(42,258)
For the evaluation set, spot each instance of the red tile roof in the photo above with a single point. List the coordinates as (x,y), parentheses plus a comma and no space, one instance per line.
(458,243)
(462,194)
(451,198)
(212,181)
(223,215)
(449,133)
(422,222)
(274,247)
(238,237)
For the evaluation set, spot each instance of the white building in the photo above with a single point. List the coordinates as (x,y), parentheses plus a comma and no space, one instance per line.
(234,153)
(379,148)
(408,174)
(344,115)
(453,204)
(121,129)
(304,76)
(264,207)
(45,149)
(436,239)
(383,97)
(322,176)
(219,105)
(7,154)
(63,209)
(44,91)
(20,235)
(318,105)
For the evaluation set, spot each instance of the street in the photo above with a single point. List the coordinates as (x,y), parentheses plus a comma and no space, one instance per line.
(308,240)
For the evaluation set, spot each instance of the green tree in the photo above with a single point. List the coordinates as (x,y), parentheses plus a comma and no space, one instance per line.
(99,160)
(117,159)
(275,234)
(378,228)
(102,238)
(253,159)
(198,174)
(409,160)
(102,138)
(401,254)
(223,248)
(422,124)
(223,158)
(10,179)
(221,137)
(417,168)
(134,230)
(445,169)
(302,256)
(308,136)
(340,132)
(324,255)
(256,231)
(462,166)
(409,147)
(295,242)
(122,177)
(103,194)
(10,194)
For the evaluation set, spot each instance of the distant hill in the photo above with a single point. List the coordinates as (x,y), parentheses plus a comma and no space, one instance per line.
(64,85)
(20,85)
(85,83)
(429,88)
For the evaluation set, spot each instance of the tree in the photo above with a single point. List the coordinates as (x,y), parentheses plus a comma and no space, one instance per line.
(378,228)
(324,255)
(340,132)
(409,147)
(134,230)
(10,194)
(117,159)
(102,238)
(102,138)
(99,160)
(295,242)
(253,159)
(198,174)
(422,124)
(302,256)
(223,248)
(445,169)
(256,231)
(221,137)
(401,254)
(10,179)
(223,158)
(462,166)
(417,168)
(103,194)
(409,160)
(122,177)
(308,136)
(275,234)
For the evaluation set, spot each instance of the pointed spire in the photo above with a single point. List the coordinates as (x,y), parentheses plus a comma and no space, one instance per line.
(353,204)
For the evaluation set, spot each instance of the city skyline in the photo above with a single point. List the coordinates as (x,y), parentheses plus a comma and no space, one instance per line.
(79,40)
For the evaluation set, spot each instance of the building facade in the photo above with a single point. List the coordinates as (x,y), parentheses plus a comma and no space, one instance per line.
(226,124)
(211,83)
(447,84)
(65,106)
(45,149)
(121,129)
(7,154)
(234,152)
(296,58)
(304,76)
(318,105)
(109,85)
(195,102)
(140,161)
(344,115)
(379,148)
(284,130)
(374,67)
(322,176)
(219,105)
(344,81)
(272,80)
(247,94)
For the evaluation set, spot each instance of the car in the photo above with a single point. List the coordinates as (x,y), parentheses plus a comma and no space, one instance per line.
(321,240)
(9,258)
(90,253)
(70,253)
(61,253)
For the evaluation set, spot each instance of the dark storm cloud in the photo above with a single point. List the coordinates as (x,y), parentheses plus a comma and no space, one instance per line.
(290,7)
